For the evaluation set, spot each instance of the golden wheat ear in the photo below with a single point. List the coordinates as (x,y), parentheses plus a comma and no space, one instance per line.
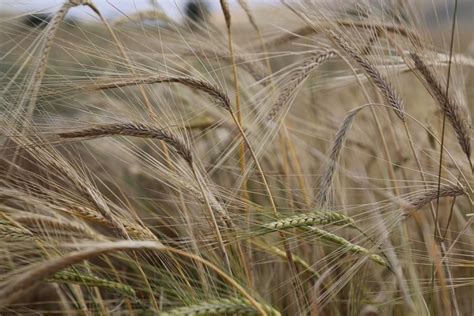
(133,130)
(458,116)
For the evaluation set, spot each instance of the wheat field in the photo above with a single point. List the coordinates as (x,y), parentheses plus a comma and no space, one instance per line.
(245,158)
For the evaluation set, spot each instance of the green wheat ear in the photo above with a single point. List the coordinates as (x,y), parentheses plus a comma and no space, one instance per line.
(219,307)
(90,280)
(310,219)
(347,245)
(11,232)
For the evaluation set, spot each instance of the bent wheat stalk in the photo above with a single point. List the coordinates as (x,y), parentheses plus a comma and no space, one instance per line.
(242,160)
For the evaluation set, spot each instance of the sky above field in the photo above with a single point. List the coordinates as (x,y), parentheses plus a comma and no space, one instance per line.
(110,8)
(436,11)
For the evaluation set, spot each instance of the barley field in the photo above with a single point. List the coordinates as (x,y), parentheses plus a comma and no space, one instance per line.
(237,158)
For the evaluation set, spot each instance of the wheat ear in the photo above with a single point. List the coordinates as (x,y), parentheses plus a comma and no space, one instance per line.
(309,219)
(69,277)
(85,187)
(135,130)
(302,72)
(40,67)
(142,130)
(10,232)
(347,245)
(457,115)
(202,85)
(427,196)
(391,96)
(223,306)
(328,174)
